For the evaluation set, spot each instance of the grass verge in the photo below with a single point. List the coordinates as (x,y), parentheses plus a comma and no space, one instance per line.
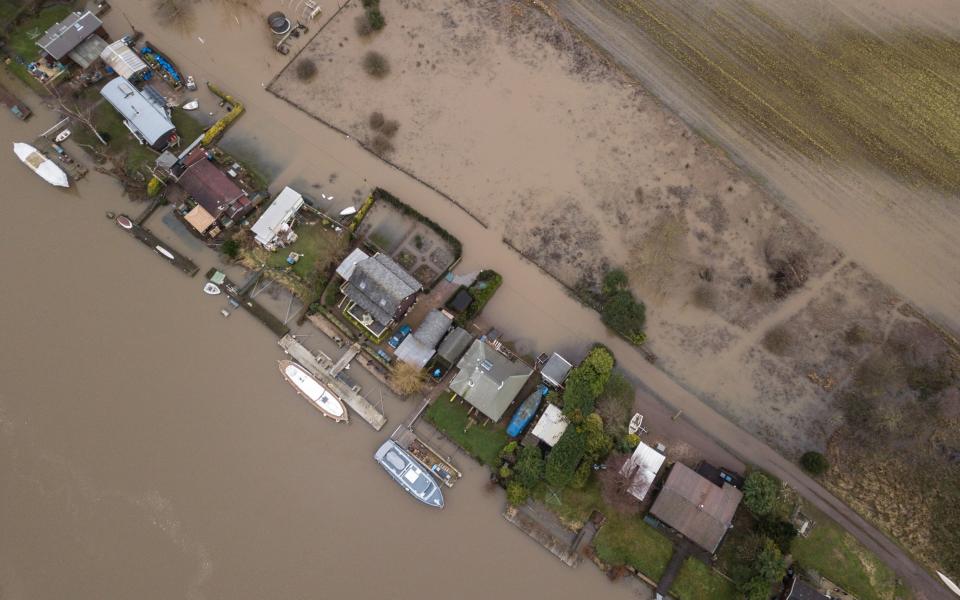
(697,581)
(630,541)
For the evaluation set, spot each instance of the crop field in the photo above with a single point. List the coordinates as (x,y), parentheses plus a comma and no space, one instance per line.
(841,95)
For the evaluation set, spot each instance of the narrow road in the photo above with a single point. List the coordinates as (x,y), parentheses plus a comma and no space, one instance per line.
(619,41)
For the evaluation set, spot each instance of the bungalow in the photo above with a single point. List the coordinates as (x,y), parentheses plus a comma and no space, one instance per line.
(74,38)
(218,198)
(697,508)
(379,292)
(488,380)
(273,228)
(419,347)
(145,116)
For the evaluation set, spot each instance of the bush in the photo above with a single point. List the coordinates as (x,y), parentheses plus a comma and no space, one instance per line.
(407,379)
(362,26)
(376,20)
(582,475)
(516,493)
(529,468)
(153,187)
(597,444)
(306,69)
(563,460)
(615,405)
(781,532)
(760,493)
(586,382)
(619,310)
(505,471)
(390,128)
(231,248)
(376,65)
(381,145)
(814,463)
(509,450)
(777,340)
(630,442)
(376,120)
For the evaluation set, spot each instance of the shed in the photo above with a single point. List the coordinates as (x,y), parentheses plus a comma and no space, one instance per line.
(273,226)
(460,301)
(199,219)
(345,269)
(149,122)
(88,51)
(642,468)
(551,425)
(695,507)
(123,60)
(454,345)
(418,347)
(556,369)
(489,380)
(66,35)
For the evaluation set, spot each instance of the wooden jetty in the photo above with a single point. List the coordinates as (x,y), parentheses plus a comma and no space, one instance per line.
(439,466)
(318,369)
(541,525)
(241,297)
(157,245)
(70,165)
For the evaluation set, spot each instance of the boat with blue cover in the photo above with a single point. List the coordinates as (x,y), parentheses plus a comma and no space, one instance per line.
(526,410)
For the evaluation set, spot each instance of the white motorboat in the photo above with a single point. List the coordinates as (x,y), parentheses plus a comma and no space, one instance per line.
(319,396)
(63,135)
(40,164)
(191,105)
(211,288)
(164,252)
(409,474)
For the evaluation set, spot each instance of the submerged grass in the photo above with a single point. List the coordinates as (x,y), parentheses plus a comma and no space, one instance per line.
(845,95)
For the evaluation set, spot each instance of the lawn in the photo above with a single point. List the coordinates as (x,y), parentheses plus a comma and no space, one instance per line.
(630,541)
(836,555)
(22,41)
(571,505)
(697,581)
(319,246)
(188,128)
(483,442)
(137,158)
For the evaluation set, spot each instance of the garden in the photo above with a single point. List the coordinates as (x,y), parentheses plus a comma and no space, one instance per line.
(483,442)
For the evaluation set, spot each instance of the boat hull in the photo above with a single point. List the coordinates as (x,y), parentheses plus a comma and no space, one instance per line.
(409,474)
(316,394)
(41,165)
(525,412)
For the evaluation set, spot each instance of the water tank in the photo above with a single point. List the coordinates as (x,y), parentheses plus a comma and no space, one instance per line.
(279,24)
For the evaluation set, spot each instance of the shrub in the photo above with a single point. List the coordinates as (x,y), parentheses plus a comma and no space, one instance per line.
(814,463)
(624,315)
(505,471)
(779,531)
(597,444)
(231,248)
(586,382)
(564,458)
(362,26)
(390,128)
(306,69)
(613,281)
(381,145)
(759,493)
(777,340)
(509,450)
(153,187)
(376,20)
(578,398)
(376,120)
(370,3)
(407,379)
(529,468)
(376,65)
(615,405)
(630,442)
(516,493)
(581,476)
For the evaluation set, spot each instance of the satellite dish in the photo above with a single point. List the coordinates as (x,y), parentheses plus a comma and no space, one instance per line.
(348,211)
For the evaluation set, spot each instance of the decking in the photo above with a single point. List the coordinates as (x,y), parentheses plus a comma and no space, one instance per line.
(153,242)
(439,467)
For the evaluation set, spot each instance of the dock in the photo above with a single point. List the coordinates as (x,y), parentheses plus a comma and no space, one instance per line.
(240,295)
(439,466)
(542,526)
(344,360)
(321,369)
(157,245)
(71,167)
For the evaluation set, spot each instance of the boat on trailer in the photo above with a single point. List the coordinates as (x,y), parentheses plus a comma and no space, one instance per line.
(408,473)
(319,396)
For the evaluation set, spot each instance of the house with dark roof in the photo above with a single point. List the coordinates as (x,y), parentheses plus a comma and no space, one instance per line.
(801,590)
(454,345)
(62,39)
(143,114)
(695,507)
(488,380)
(419,347)
(218,198)
(379,293)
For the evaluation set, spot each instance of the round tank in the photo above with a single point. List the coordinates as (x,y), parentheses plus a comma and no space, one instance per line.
(279,23)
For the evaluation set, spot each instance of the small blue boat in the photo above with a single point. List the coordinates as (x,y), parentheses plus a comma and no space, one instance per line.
(525,412)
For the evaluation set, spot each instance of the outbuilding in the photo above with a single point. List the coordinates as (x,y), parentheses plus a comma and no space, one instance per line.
(61,39)
(142,115)
(273,228)
(551,425)
(123,60)
(641,469)
(555,370)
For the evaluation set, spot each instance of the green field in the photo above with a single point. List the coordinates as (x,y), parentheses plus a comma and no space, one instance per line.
(630,541)
(697,581)
(483,442)
(834,553)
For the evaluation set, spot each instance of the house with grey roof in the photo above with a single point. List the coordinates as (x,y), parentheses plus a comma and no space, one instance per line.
(379,292)
(419,347)
(696,507)
(64,37)
(454,345)
(488,380)
(145,116)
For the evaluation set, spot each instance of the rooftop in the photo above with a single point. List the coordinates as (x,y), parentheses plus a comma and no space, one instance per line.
(698,509)
(489,380)
(345,269)
(210,187)
(137,109)
(122,59)
(801,590)
(88,51)
(551,425)
(454,345)
(556,369)
(418,347)
(66,35)
(379,285)
(277,216)
(642,469)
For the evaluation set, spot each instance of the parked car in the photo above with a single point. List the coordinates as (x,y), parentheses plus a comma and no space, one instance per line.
(386,357)
(399,336)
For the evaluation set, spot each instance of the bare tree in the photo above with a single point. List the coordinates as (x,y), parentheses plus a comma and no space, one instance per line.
(407,379)
(84,115)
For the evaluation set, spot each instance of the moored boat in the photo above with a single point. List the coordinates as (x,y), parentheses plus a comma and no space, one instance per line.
(409,474)
(40,164)
(319,396)
(525,411)
(211,288)
(164,252)
(191,105)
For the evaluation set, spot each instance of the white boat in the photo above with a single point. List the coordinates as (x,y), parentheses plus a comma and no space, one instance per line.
(191,84)
(192,105)
(124,222)
(211,288)
(164,252)
(320,397)
(40,164)
(636,423)
(348,211)
(63,135)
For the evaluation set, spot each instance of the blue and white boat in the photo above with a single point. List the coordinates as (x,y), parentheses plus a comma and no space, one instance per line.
(525,411)
(406,471)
